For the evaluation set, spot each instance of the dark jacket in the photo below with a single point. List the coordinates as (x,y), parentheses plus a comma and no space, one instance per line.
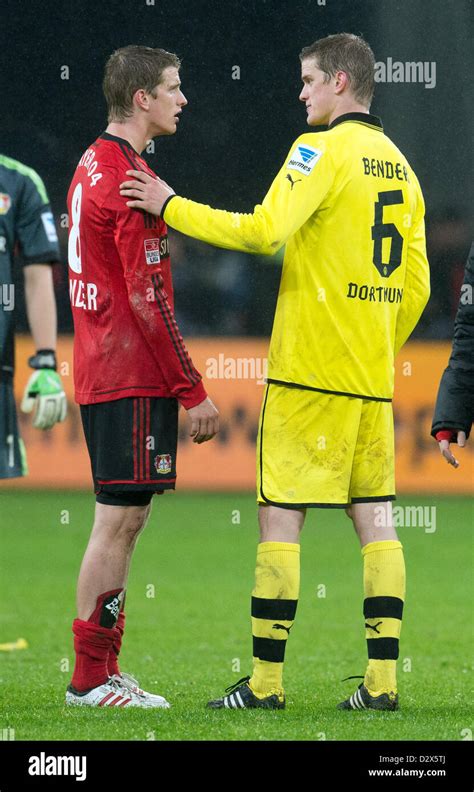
(455,403)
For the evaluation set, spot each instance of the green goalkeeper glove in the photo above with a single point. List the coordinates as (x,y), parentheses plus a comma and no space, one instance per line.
(44,391)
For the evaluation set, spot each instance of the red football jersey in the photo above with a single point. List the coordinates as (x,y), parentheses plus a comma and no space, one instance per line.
(127,342)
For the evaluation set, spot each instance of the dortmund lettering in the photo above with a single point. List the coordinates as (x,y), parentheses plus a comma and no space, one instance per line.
(391,294)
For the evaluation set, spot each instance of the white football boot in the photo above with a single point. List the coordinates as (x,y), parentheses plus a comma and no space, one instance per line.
(114,693)
(131,684)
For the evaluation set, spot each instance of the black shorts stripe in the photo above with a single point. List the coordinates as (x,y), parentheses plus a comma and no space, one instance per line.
(374,499)
(261,444)
(274,609)
(134,439)
(269,649)
(382,648)
(140,438)
(390,607)
(163,307)
(147,435)
(305,505)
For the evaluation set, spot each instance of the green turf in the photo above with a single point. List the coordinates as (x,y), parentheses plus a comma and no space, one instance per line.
(187,641)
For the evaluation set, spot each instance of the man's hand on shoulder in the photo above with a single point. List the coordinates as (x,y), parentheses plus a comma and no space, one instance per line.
(204,421)
(146,192)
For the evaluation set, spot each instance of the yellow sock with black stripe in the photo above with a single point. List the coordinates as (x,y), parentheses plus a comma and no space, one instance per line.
(384,595)
(274,601)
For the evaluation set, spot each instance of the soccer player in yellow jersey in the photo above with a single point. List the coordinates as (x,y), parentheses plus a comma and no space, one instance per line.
(355,280)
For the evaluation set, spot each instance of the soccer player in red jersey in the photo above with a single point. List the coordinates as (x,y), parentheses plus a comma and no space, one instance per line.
(131,367)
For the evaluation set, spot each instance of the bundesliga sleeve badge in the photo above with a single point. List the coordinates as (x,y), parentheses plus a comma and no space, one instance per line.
(152,251)
(303,159)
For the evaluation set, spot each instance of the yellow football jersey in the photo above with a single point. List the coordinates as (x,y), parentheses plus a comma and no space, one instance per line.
(355,275)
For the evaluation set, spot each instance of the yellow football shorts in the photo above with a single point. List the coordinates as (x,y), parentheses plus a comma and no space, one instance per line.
(322,449)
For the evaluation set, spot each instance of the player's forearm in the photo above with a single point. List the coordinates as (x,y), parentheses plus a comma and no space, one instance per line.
(250,233)
(41,305)
(409,317)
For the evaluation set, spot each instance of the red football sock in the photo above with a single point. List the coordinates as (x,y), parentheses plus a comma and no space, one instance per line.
(92,644)
(114,652)
(93,640)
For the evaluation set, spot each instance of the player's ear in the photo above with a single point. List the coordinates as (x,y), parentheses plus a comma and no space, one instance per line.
(141,99)
(341,81)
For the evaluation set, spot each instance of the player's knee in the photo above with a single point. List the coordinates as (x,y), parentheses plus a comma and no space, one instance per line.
(121,524)
(134,522)
(279,524)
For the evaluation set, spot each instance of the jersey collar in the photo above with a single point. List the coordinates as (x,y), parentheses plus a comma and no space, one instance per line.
(361,118)
(108,136)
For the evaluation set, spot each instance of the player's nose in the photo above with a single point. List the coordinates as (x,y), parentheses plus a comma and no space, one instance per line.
(182,101)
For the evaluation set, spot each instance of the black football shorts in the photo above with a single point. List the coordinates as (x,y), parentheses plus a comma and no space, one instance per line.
(132,447)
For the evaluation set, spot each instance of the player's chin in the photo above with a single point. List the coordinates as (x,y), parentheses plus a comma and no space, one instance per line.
(314,120)
(170,129)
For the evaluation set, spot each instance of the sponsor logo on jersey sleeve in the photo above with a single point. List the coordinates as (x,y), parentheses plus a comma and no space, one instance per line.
(5,203)
(303,159)
(152,251)
(49,227)
(157,249)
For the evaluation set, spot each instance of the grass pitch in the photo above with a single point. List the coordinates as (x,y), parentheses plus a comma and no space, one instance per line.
(188,624)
